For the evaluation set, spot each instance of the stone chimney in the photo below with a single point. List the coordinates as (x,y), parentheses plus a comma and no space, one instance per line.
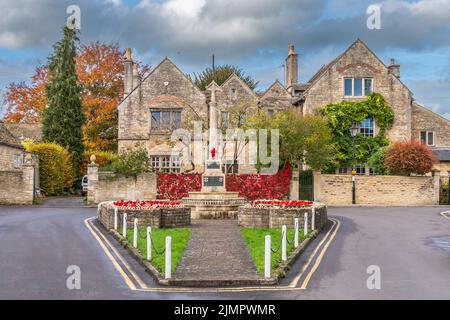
(128,85)
(291,66)
(394,68)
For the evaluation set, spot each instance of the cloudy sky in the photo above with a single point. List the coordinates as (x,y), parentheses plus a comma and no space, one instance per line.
(253,34)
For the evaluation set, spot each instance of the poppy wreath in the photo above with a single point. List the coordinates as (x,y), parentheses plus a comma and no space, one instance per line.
(281,203)
(146,204)
(175,186)
(259,186)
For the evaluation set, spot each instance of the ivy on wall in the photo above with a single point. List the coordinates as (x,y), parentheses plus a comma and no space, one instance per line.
(340,118)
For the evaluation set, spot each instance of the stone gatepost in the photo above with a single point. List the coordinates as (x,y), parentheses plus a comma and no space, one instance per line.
(92,180)
(436,185)
(294,188)
(28,179)
(316,184)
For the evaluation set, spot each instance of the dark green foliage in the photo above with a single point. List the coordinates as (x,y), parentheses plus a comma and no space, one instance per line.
(342,115)
(220,75)
(376,162)
(131,163)
(63,117)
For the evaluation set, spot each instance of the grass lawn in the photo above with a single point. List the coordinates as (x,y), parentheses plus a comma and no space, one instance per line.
(180,236)
(255,239)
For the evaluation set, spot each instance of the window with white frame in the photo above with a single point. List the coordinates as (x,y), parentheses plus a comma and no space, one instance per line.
(358,87)
(165,163)
(360,169)
(427,138)
(367,128)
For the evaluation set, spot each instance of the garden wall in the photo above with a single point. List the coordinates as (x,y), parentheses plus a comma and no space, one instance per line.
(105,186)
(158,218)
(17,187)
(377,190)
(254,217)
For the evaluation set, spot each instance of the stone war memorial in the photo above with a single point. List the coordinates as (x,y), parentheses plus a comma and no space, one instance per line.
(210,233)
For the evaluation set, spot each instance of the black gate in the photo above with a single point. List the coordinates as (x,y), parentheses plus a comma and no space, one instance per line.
(306,187)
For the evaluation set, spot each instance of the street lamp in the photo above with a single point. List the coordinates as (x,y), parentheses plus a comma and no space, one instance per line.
(354,129)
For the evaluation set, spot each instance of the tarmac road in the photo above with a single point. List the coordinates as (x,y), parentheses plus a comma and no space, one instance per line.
(410,245)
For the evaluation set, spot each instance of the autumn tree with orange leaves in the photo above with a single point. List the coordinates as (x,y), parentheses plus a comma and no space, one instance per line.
(100,71)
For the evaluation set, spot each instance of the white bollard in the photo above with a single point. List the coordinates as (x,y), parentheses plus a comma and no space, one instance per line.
(313,219)
(267,264)
(305,227)
(149,243)
(283,244)
(135,232)
(168,267)
(116,214)
(124,225)
(296,232)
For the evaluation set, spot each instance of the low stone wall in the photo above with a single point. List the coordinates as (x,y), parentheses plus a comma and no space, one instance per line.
(158,218)
(107,186)
(254,217)
(17,187)
(377,190)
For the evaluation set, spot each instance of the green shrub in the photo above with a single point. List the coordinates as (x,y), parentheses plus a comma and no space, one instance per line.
(51,166)
(376,162)
(131,163)
(443,194)
(102,158)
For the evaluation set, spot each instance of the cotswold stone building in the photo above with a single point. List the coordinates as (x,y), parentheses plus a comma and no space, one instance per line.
(166,100)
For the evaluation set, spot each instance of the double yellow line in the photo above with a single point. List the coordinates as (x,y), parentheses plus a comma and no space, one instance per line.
(134,282)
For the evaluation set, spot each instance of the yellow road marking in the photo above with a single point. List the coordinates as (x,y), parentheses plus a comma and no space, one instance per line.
(108,254)
(144,288)
(135,276)
(319,259)
(294,282)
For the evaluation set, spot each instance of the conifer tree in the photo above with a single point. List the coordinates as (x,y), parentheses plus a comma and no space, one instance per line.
(63,117)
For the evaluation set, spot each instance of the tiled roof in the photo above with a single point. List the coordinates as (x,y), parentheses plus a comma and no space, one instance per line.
(25,130)
(442,154)
(6,137)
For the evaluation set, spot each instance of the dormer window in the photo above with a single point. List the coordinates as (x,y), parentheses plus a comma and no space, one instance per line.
(357,87)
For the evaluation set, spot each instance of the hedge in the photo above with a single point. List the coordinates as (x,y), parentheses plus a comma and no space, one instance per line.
(103,158)
(52,166)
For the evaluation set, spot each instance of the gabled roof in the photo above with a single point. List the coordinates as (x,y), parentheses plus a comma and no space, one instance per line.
(416,104)
(244,85)
(25,130)
(276,83)
(7,138)
(326,67)
(156,68)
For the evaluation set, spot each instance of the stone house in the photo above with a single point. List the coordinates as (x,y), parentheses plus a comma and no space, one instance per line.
(17,171)
(167,99)
(10,150)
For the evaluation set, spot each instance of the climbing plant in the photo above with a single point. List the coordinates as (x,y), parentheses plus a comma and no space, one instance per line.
(340,118)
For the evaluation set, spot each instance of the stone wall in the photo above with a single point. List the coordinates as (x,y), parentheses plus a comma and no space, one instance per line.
(252,217)
(105,186)
(376,190)
(159,218)
(17,187)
